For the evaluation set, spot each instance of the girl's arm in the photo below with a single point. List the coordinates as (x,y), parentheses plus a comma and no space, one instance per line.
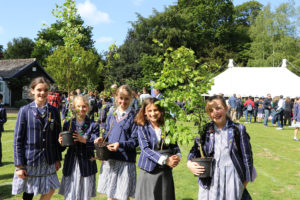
(194,153)
(246,152)
(57,125)
(145,146)
(20,139)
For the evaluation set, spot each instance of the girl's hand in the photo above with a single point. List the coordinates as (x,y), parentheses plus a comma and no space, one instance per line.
(79,138)
(98,140)
(113,147)
(60,140)
(57,165)
(195,168)
(173,161)
(22,173)
(245,183)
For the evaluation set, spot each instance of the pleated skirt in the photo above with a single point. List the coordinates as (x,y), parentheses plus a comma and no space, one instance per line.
(157,185)
(117,179)
(77,187)
(41,179)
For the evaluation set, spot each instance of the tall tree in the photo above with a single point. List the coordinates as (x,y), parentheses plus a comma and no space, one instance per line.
(77,65)
(274,36)
(1,51)
(49,38)
(19,48)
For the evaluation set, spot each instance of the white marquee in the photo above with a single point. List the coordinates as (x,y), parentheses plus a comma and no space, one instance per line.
(257,81)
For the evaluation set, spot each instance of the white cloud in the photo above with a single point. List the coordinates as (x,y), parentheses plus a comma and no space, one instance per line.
(137,2)
(104,40)
(89,12)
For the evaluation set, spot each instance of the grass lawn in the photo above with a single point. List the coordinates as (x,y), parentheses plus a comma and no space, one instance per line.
(276,158)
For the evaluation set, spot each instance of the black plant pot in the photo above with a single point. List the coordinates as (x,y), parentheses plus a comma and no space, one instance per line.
(168,152)
(101,151)
(67,138)
(207,164)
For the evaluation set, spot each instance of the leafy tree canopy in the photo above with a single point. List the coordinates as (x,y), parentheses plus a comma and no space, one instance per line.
(19,48)
(49,38)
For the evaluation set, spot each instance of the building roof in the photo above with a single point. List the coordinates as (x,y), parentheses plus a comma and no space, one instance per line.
(256,82)
(12,68)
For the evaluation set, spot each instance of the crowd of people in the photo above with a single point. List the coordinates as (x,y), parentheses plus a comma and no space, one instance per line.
(125,120)
(278,110)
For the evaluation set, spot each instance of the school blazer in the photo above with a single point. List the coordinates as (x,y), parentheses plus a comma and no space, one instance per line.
(83,152)
(35,138)
(3,117)
(242,160)
(147,141)
(124,132)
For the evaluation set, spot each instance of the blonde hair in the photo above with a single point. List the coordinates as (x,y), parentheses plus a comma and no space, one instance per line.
(82,98)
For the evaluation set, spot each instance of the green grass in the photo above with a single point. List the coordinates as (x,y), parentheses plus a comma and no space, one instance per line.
(276,158)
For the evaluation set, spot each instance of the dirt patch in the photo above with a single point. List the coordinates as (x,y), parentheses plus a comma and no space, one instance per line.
(267,154)
(278,191)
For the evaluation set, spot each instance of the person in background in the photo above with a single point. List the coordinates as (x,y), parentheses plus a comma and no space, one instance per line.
(255,110)
(267,108)
(249,104)
(260,109)
(288,111)
(145,95)
(232,106)
(157,94)
(239,108)
(135,101)
(279,113)
(273,110)
(3,119)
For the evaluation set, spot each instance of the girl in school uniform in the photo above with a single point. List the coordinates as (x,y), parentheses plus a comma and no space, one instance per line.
(79,171)
(229,144)
(155,179)
(296,119)
(37,152)
(117,176)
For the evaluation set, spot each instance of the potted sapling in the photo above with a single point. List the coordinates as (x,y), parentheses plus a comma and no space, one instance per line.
(101,144)
(184,82)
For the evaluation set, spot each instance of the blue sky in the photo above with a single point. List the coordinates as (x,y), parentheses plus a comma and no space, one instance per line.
(109,18)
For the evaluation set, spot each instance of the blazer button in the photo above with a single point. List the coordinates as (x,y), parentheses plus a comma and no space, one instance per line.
(43,149)
(44,140)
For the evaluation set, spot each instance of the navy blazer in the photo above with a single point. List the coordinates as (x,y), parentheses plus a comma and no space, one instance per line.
(124,132)
(3,117)
(83,152)
(149,156)
(36,138)
(242,160)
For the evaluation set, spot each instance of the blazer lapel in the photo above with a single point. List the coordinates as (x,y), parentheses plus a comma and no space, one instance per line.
(152,135)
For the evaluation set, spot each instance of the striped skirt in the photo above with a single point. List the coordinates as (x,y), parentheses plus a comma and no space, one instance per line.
(158,184)
(117,179)
(76,186)
(41,179)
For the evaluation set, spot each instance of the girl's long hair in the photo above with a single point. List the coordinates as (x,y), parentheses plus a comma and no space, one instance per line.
(141,118)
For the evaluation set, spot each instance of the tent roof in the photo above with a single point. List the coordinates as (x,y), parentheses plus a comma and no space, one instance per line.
(256,82)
